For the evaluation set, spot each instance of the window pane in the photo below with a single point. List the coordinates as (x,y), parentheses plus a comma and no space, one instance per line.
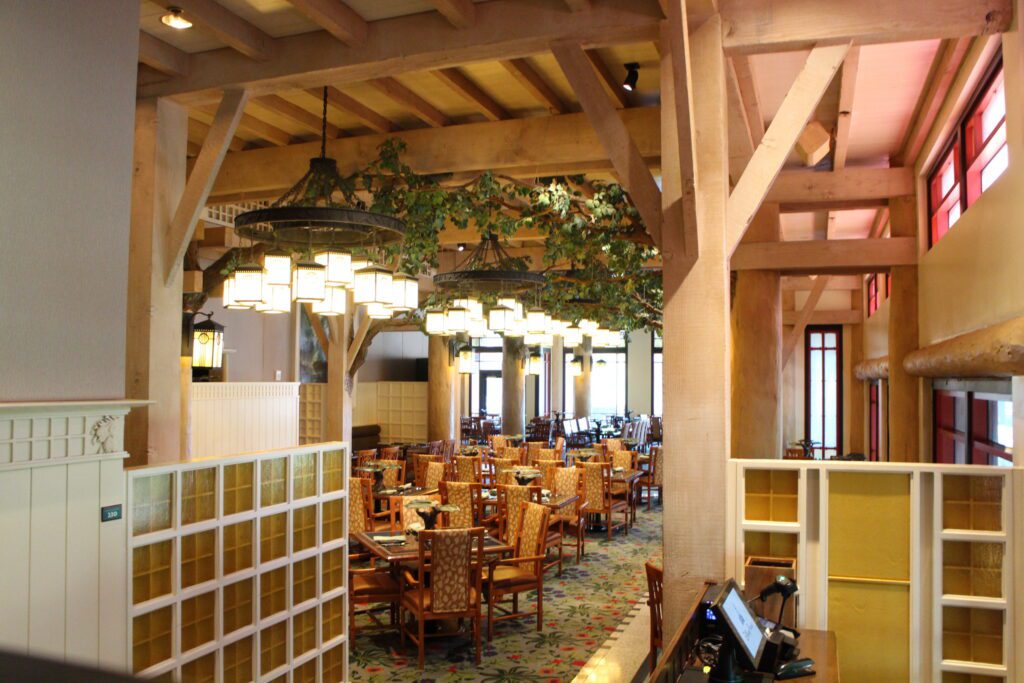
(657,381)
(954,214)
(568,387)
(948,177)
(1003,423)
(816,340)
(995,168)
(994,112)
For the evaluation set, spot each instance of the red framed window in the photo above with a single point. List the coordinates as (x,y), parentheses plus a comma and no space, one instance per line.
(972,429)
(975,156)
(985,138)
(874,419)
(872,295)
(888,285)
(823,389)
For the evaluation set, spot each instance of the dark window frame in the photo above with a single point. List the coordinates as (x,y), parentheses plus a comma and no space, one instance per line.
(808,331)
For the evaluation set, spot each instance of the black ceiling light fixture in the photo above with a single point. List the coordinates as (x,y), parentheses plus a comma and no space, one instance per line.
(632,76)
(488,269)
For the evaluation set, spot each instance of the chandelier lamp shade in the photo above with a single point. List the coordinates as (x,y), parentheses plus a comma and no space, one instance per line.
(334,302)
(455,320)
(434,320)
(536,322)
(372,285)
(405,293)
(248,284)
(572,336)
(500,318)
(465,366)
(377,311)
(277,268)
(207,343)
(535,364)
(230,300)
(339,267)
(309,283)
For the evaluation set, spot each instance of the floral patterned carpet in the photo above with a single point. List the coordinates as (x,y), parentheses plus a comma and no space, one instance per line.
(581,609)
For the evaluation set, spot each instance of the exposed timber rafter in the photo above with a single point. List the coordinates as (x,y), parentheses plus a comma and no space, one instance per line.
(346,103)
(423,110)
(847,84)
(230,28)
(534,83)
(162,56)
(778,141)
(613,134)
(459,13)
(335,17)
(827,256)
(458,81)
(293,112)
(797,333)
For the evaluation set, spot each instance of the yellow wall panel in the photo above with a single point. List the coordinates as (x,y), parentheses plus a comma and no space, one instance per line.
(869,525)
(872,627)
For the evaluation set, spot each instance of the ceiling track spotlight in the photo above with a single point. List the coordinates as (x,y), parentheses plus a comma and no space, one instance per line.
(632,76)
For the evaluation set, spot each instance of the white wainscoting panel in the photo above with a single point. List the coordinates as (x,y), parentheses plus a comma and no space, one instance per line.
(243,417)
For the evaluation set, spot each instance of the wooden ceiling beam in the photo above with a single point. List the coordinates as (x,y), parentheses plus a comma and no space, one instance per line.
(459,13)
(543,146)
(534,83)
(828,317)
(229,28)
(795,335)
(198,130)
(351,105)
(293,112)
(162,56)
(578,5)
(778,25)
(749,98)
(335,17)
(458,81)
(613,134)
(423,110)
(254,126)
(827,256)
(504,29)
(847,85)
(797,283)
(611,84)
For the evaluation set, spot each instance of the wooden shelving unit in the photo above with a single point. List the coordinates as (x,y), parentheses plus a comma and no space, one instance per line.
(232,561)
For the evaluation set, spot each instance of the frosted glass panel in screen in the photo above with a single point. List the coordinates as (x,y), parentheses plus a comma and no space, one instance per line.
(816,382)
(831,396)
(658,395)
(568,387)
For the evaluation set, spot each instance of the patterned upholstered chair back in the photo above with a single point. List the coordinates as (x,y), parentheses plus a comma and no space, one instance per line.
(394,475)
(464,495)
(451,563)
(359,502)
(498,442)
(549,454)
(560,446)
(624,459)
(595,484)
(531,530)
(533,451)
(510,500)
(567,481)
(613,445)
(549,468)
(513,453)
(408,516)
(503,471)
(658,465)
(467,468)
(434,474)
(390,452)
(422,461)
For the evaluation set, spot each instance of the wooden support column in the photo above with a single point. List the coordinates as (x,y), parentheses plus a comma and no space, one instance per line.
(513,386)
(757,351)
(696,333)
(440,398)
(581,382)
(340,385)
(904,389)
(856,407)
(153,339)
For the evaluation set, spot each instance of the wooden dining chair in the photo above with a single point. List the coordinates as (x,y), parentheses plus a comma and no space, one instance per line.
(444,586)
(389,452)
(395,476)
(572,519)
(597,492)
(497,441)
(627,460)
(501,471)
(365,456)
(468,468)
(435,447)
(560,446)
(433,475)
(533,451)
(613,445)
(654,477)
(369,584)
(468,497)
(405,516)
(548,467)
(423,460)
(655,580)
(523,572)
(509,499)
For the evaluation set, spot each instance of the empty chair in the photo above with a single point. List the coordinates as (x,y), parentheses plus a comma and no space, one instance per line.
(597,492)
(655,578)
(433,475)
(466,497)
(423,460)
(523,572)
(468,468)
(389,452)
(393,476)
(654,477)
(572,519)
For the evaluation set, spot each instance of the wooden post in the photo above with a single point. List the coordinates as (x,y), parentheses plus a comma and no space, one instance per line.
(696,332)
(757,351)
(440,399)
(340,385)
(858,393)
(153,337)
(513,386)
(904,389)
(581,382)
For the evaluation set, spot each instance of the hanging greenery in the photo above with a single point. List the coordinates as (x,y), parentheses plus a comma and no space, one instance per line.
(596,254)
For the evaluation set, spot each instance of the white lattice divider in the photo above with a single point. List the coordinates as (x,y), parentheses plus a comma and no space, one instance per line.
(312,413)
(238,567)
(402,411)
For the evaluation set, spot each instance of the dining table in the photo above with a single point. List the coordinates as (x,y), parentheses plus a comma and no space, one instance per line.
(407,549)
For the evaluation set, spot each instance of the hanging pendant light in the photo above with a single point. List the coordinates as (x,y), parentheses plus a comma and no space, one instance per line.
(373,285)
(542,339)
(535,365)
(339,267)
(500,318)
(277,299)
(309,283)
(465,360)
(516,329)
(434,321)
(334,303)
(572,336)
(400,293)
(378,311)
(248,284)
(277,268)
(588,327)
(536,323)
(412,293)
(455,320)
(207,343)
(229,300)
(476,328)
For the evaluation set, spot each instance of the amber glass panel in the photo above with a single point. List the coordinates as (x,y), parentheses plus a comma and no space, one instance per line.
(771,495)
(304,580)
(151,638)
(303,475)
(951,677)
(273,537)
(198,495)
(333,569)
(238,661)
(972,569)
(274,474)
(273,646)
(202,670)
(151,503)
(303,632)
(972,502)
(197,558)
(335,660)
(972,634)
(303,528)
(197,618)
(237,547)
(273,592)
(151,571)
(237,605)
(334,519)
(334,471)
(334,618)
(237,488)
(770,544)
(305,673)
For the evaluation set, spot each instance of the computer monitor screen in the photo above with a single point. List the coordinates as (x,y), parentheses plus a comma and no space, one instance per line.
(742,622)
